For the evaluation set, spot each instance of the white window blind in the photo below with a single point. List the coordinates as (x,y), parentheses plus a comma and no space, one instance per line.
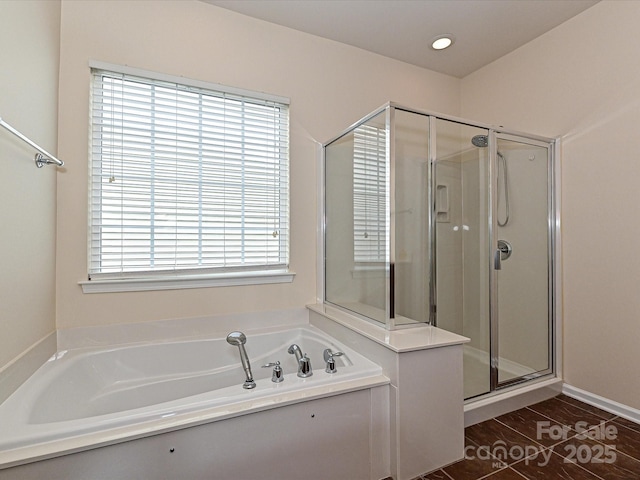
(369,194)
(185,179)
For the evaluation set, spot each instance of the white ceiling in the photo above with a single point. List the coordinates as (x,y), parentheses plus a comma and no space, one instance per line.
(485,30)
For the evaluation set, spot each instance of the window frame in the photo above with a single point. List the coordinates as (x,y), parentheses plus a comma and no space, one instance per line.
(184,277)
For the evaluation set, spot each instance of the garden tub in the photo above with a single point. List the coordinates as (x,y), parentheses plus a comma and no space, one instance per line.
(91,397)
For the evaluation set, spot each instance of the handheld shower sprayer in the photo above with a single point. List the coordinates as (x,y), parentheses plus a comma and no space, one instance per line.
(239,339)
(482,141)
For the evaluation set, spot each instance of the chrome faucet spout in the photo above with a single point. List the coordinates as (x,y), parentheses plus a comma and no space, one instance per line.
(297,351)
(304,364)
(239,339)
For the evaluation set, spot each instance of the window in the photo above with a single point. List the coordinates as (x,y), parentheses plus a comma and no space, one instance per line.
(369,194)
(186,179)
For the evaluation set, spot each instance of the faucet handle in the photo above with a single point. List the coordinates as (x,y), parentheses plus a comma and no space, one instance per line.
(330,360)
(278,374)
(327,354)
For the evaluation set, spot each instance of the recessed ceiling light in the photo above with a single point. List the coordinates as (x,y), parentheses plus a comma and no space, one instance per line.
(442,41)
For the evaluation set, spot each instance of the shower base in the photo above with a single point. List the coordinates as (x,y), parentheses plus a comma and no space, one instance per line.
(481,404)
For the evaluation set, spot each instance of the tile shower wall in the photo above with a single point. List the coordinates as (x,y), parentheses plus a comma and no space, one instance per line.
(450,270)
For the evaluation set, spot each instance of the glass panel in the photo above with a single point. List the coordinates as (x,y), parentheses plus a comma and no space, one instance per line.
(411,217)
(522,226)
(462,245)
(357,220)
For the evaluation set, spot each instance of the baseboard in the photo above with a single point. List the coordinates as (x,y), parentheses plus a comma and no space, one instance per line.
(603,403)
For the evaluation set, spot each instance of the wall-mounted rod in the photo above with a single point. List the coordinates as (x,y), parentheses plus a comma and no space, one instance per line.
(42,157)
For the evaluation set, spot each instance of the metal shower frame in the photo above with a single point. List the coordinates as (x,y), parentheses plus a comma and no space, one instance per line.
(554,240)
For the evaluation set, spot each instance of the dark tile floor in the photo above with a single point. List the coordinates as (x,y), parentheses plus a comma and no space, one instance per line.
(560,438)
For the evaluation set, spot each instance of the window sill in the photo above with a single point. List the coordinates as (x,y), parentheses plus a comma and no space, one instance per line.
(141,284)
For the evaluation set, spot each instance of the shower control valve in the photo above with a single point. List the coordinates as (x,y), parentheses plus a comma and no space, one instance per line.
(505,249)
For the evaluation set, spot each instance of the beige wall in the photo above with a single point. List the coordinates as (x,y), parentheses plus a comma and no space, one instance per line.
(330,86)
(581,81)
(29,39)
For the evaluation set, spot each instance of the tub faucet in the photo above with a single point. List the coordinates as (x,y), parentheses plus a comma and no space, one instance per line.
(239,339)
(304,364)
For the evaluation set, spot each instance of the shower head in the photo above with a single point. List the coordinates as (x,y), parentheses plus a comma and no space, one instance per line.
(236,338)
(480,140)
(483,141)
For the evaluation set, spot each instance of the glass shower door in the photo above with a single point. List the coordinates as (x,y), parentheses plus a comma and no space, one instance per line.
(492,218)
(521,307)
(462,242)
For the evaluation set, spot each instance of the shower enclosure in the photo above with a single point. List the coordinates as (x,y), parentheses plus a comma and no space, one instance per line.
(433,220)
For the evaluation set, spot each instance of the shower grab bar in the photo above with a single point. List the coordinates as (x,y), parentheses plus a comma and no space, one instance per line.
(43,157)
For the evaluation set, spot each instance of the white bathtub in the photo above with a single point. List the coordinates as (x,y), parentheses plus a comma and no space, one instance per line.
(86,398)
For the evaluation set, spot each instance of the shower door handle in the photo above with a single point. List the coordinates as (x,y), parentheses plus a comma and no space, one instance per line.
(497,260)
